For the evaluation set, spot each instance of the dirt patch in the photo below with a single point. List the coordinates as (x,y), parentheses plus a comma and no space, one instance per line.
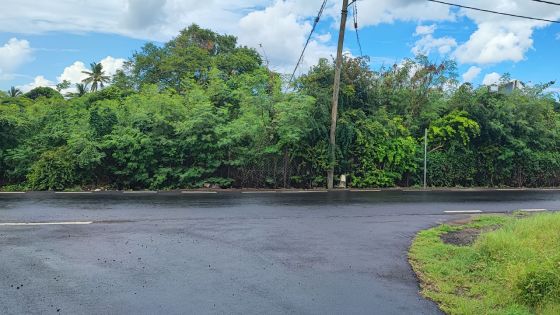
(462,237)
(465,237)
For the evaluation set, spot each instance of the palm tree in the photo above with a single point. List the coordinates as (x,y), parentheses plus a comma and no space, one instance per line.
(14,92)
(96,76)
(81,90)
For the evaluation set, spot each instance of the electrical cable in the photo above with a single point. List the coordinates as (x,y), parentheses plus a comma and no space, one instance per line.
(495,12)
(547,2)
(356,28)
(317,19)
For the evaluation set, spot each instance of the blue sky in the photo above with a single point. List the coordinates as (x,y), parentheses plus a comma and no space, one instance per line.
(46,42)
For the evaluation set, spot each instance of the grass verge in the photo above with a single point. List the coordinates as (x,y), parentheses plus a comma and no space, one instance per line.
(513,267)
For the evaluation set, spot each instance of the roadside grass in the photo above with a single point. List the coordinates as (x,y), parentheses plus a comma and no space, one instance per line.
(513,267)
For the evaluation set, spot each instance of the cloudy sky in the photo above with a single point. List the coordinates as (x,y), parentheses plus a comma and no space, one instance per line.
(45,42)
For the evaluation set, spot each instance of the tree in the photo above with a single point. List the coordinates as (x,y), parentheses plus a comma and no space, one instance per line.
(453,128)
(81,90)
(63,85)
(191,55)
(201,110)
(14,92)
(384,151)
(42,91)
(96,77)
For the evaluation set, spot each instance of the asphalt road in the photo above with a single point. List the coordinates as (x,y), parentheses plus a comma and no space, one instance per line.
(226,253)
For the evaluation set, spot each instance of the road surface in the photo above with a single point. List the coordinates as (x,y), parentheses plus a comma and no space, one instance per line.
(226,253)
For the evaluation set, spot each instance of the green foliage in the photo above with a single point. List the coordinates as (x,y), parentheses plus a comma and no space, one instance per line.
(14,92)
(45,92)
(385,151)
(201,110)
(512,270)
(452,128)
(63,85)
(96,77)
(539,285)
(191,55)
(52,171)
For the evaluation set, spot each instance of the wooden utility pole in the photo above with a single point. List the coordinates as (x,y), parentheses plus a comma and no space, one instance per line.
(425,158)
(336,90)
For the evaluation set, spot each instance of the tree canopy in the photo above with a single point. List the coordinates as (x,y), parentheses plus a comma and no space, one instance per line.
(201,110)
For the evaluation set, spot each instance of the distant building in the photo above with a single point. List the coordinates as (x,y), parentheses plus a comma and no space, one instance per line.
(511,86)
(506,88)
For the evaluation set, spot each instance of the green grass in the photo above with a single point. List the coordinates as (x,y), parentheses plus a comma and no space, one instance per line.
(514,269)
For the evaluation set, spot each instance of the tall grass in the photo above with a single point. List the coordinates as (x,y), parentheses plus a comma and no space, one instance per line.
(512,270)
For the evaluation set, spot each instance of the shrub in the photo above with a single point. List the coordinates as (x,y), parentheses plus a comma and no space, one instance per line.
(53,171)
(539,286)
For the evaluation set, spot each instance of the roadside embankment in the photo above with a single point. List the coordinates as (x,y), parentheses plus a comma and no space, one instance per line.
(491,264)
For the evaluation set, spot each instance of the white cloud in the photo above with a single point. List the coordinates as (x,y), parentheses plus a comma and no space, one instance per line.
(137,18)
(280,25)
(142,14)
(74,74)
(112,65)
(501,38)
(284,39)
(491,78)
(471,74)
(13,54)
(39,81)
(428,44)
(425,29)
(375,12)
(493,44)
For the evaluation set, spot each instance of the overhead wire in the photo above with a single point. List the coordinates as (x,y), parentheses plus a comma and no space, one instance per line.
(356,27)
(317,19)
(359,81)
(547,2)
(495,12)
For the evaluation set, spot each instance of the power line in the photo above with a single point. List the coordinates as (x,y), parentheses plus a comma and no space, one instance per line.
(317,19)
(356,27)
(355,13)
(547,2)
(495,12)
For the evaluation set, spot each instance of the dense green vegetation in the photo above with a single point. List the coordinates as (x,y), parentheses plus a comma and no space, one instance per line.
(512,270)
(201,110)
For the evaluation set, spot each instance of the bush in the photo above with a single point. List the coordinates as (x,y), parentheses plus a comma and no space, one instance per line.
(53,171)
(451,168)
(46,92)
(540,286)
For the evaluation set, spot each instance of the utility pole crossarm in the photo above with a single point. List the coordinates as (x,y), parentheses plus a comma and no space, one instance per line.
(336,91)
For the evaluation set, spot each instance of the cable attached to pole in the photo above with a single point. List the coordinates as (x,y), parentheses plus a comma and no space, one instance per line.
(355,13)
(317,19)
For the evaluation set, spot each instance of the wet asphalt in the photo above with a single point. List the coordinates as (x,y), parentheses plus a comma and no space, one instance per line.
(226,253)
